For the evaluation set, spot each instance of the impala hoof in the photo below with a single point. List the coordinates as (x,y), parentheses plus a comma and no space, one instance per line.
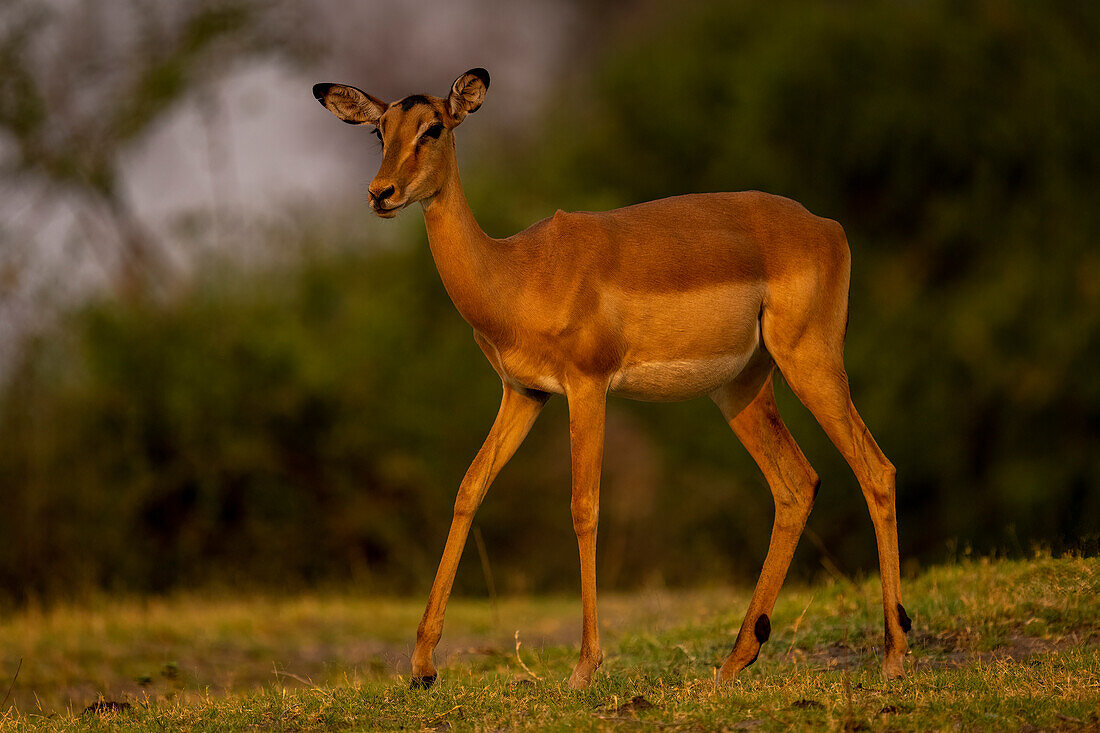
(583,673)
(422,683)
(893,668)
(580,680)
(726,675)
(733,667)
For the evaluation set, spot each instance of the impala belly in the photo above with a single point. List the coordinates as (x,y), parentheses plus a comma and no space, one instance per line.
(682,379)
(669,346)
(684,345)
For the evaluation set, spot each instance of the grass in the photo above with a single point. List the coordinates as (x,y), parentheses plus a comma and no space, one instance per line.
(996,645)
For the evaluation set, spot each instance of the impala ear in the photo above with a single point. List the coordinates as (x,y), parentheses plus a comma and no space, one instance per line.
(467,94)
(353,106)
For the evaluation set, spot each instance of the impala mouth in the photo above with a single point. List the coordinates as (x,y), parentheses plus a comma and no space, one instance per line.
(387,212)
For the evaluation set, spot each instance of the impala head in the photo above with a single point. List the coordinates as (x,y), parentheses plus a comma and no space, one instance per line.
(416,135)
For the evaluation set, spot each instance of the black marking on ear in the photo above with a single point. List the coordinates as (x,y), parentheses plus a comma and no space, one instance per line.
(903,619)
(763,628)
(412,100)
(422,683)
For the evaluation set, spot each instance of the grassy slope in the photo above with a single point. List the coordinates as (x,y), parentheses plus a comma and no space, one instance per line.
(995,645)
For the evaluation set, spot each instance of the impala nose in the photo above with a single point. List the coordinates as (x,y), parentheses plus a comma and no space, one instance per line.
(377,198)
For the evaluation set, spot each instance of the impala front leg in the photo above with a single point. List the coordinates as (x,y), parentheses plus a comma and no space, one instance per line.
(517,413)
(587,406)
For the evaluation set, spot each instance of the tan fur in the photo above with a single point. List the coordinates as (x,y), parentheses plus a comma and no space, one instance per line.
(666,300)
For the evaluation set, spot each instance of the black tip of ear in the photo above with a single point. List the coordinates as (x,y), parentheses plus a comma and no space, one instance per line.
(319,92)
(482,74)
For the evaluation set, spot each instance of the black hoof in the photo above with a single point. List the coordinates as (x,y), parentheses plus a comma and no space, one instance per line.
(422,683)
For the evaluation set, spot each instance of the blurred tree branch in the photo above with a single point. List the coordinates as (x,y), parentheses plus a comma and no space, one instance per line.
(80,84)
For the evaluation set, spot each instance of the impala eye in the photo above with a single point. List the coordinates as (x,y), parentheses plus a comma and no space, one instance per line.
(433,131)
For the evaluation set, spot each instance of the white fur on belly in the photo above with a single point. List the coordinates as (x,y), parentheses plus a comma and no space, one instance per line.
(678,379)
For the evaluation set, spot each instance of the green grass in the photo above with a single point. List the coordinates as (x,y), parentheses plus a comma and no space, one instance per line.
(996,645)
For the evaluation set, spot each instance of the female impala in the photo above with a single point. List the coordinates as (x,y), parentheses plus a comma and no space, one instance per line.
(692,295)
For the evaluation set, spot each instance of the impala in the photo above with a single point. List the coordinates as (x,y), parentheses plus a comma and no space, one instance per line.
(704,294)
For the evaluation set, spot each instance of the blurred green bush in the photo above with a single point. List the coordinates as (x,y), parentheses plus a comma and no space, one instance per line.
(957,143)
(310,424)
(258,430)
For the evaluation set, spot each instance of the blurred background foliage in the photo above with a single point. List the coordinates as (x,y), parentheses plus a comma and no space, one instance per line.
(306,421)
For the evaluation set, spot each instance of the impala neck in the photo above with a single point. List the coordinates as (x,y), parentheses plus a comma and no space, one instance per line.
(464,255)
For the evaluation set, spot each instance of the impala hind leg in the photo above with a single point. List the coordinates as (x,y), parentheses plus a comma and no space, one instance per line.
(587,408)
(793,485)
(516,416)
(816,375)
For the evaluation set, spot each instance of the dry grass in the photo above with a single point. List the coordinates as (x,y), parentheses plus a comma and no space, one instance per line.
(996,645)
